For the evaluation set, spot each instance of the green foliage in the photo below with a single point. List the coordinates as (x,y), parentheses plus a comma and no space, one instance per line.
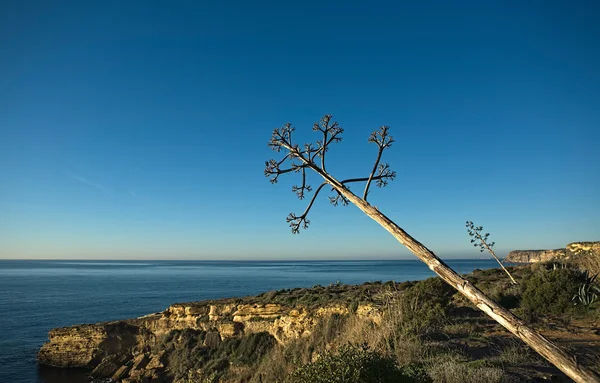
(509,301)
(416,372)
(588,292)
(507,296)
(188,350)
(550,292)
(253,348)
(423,322)
(351,365)
(334,293)
(184,350)
(424,306)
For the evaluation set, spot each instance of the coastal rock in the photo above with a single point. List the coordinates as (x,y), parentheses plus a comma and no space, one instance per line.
(87,345)
(120,373)
(529,256)
(122,350)
(583,249)
(109,366)
(157,362)
(571,252)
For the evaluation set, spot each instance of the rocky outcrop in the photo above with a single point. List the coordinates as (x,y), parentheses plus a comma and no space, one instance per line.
(571,251)
(88,345)
(125,350)
(528,256)
(583,249)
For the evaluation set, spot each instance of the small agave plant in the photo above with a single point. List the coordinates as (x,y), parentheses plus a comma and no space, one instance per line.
(588,292)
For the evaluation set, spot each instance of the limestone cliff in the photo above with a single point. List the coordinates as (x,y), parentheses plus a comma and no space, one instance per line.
(87,345)
(572,250)
(527,256)
(126,350)
(588,249)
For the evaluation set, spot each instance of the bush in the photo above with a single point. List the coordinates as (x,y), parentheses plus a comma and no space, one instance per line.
(424,306)
(187,352)
(509,301)
(507,296)
(550,292)
(253,347)
(351,365)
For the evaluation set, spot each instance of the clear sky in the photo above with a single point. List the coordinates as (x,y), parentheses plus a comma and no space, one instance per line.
(133,129)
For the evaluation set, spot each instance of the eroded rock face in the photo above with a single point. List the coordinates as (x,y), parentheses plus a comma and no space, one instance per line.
(572,250)
(123,350)
(86,345)
(528,256)
(588,249)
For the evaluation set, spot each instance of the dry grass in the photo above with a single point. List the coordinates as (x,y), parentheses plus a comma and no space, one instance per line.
(420,326)
(460,372)
(406,316)
(515,353)
(590,263)
(462,328)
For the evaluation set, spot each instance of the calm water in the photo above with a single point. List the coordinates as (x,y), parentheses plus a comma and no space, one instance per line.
(36,296)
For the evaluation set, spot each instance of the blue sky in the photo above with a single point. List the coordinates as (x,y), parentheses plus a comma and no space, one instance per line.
(139,129)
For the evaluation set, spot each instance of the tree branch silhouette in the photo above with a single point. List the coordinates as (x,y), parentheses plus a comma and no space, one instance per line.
(481,241)
(304,159)
(331,133)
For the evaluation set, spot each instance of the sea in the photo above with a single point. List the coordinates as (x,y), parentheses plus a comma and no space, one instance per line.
(36,295)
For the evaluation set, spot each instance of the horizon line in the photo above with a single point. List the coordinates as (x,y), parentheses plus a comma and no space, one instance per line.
(233,260)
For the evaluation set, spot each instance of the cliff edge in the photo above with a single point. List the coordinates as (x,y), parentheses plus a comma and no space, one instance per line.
(416,326)
(133,350)
(530,256)
(571,251)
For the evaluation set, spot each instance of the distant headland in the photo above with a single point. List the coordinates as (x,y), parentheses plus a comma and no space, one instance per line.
(574,250)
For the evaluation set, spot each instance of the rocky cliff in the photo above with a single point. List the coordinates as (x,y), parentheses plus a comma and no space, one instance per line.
(572,250)
(586,249)
(87,345)
(527,256)
(137,350)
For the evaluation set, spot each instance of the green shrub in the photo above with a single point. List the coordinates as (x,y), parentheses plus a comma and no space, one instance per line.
(188,352)
(185,351)
(550,292)
(509,301)
(507,296)
(253,347)
(351,365)
(424,306)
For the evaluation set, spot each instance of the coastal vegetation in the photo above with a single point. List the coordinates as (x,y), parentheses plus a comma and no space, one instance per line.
(451,328)
(427,332)
(310,158)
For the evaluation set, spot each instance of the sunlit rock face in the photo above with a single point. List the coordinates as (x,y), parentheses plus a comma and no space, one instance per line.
(528,256)
(87,345)
(571,251)
(591,249)
(122,350)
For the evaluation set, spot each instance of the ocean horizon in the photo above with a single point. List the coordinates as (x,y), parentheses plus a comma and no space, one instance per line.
(38,295)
